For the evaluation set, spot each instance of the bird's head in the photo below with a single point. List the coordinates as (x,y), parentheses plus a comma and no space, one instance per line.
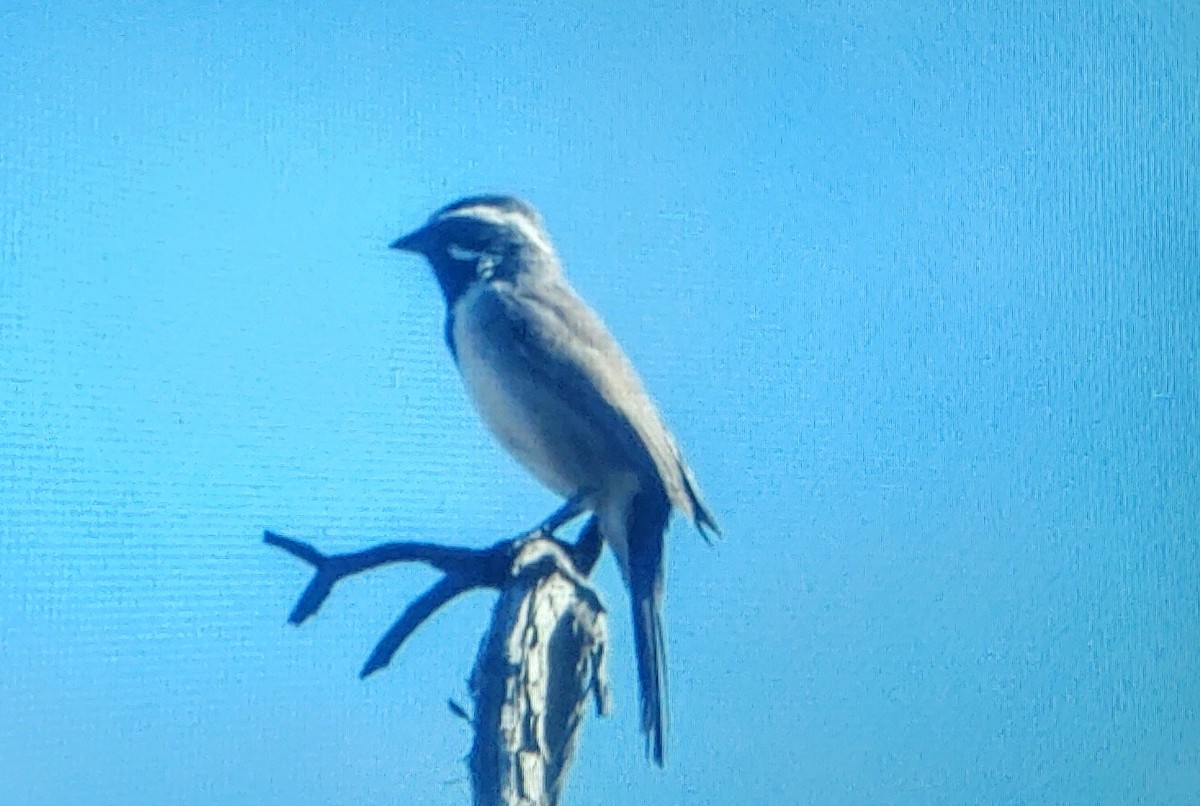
(481,238)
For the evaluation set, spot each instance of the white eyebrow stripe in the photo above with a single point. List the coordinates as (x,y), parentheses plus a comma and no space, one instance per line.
(533,232)
(483,212)
(499,217)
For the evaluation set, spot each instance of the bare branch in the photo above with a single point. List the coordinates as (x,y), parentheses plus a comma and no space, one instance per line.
(469,568)
(541,661)
(413,617)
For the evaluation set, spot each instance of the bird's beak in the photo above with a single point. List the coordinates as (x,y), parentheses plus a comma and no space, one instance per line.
(415,241)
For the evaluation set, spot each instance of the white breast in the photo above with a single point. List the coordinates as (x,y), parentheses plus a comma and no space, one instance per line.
(526,420)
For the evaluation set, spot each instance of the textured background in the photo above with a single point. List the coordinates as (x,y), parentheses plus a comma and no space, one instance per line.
(918,289)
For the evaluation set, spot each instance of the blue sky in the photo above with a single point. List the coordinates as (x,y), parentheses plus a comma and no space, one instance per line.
(916,287)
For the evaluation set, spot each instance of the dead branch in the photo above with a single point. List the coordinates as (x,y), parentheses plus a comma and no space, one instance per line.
(540,662)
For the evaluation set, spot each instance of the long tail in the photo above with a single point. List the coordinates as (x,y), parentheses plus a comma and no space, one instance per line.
(647,524)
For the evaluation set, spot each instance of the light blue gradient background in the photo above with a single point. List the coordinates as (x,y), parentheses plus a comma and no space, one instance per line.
(917,288)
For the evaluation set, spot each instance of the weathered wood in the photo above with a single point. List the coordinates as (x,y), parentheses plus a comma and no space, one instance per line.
(541,661)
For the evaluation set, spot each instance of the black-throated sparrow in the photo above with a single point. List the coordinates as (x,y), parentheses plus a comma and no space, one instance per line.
(557,391)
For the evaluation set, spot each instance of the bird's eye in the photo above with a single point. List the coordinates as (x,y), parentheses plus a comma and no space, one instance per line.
(485,262)
(457,252)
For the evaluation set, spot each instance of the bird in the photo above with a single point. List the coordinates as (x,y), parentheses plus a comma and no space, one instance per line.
(556,390)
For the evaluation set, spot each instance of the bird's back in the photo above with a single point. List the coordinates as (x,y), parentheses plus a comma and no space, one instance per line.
(561,336)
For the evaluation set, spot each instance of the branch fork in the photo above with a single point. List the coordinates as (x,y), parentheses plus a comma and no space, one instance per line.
(542,659)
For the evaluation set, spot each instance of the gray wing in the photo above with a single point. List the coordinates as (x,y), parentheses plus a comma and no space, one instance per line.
(562,338)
